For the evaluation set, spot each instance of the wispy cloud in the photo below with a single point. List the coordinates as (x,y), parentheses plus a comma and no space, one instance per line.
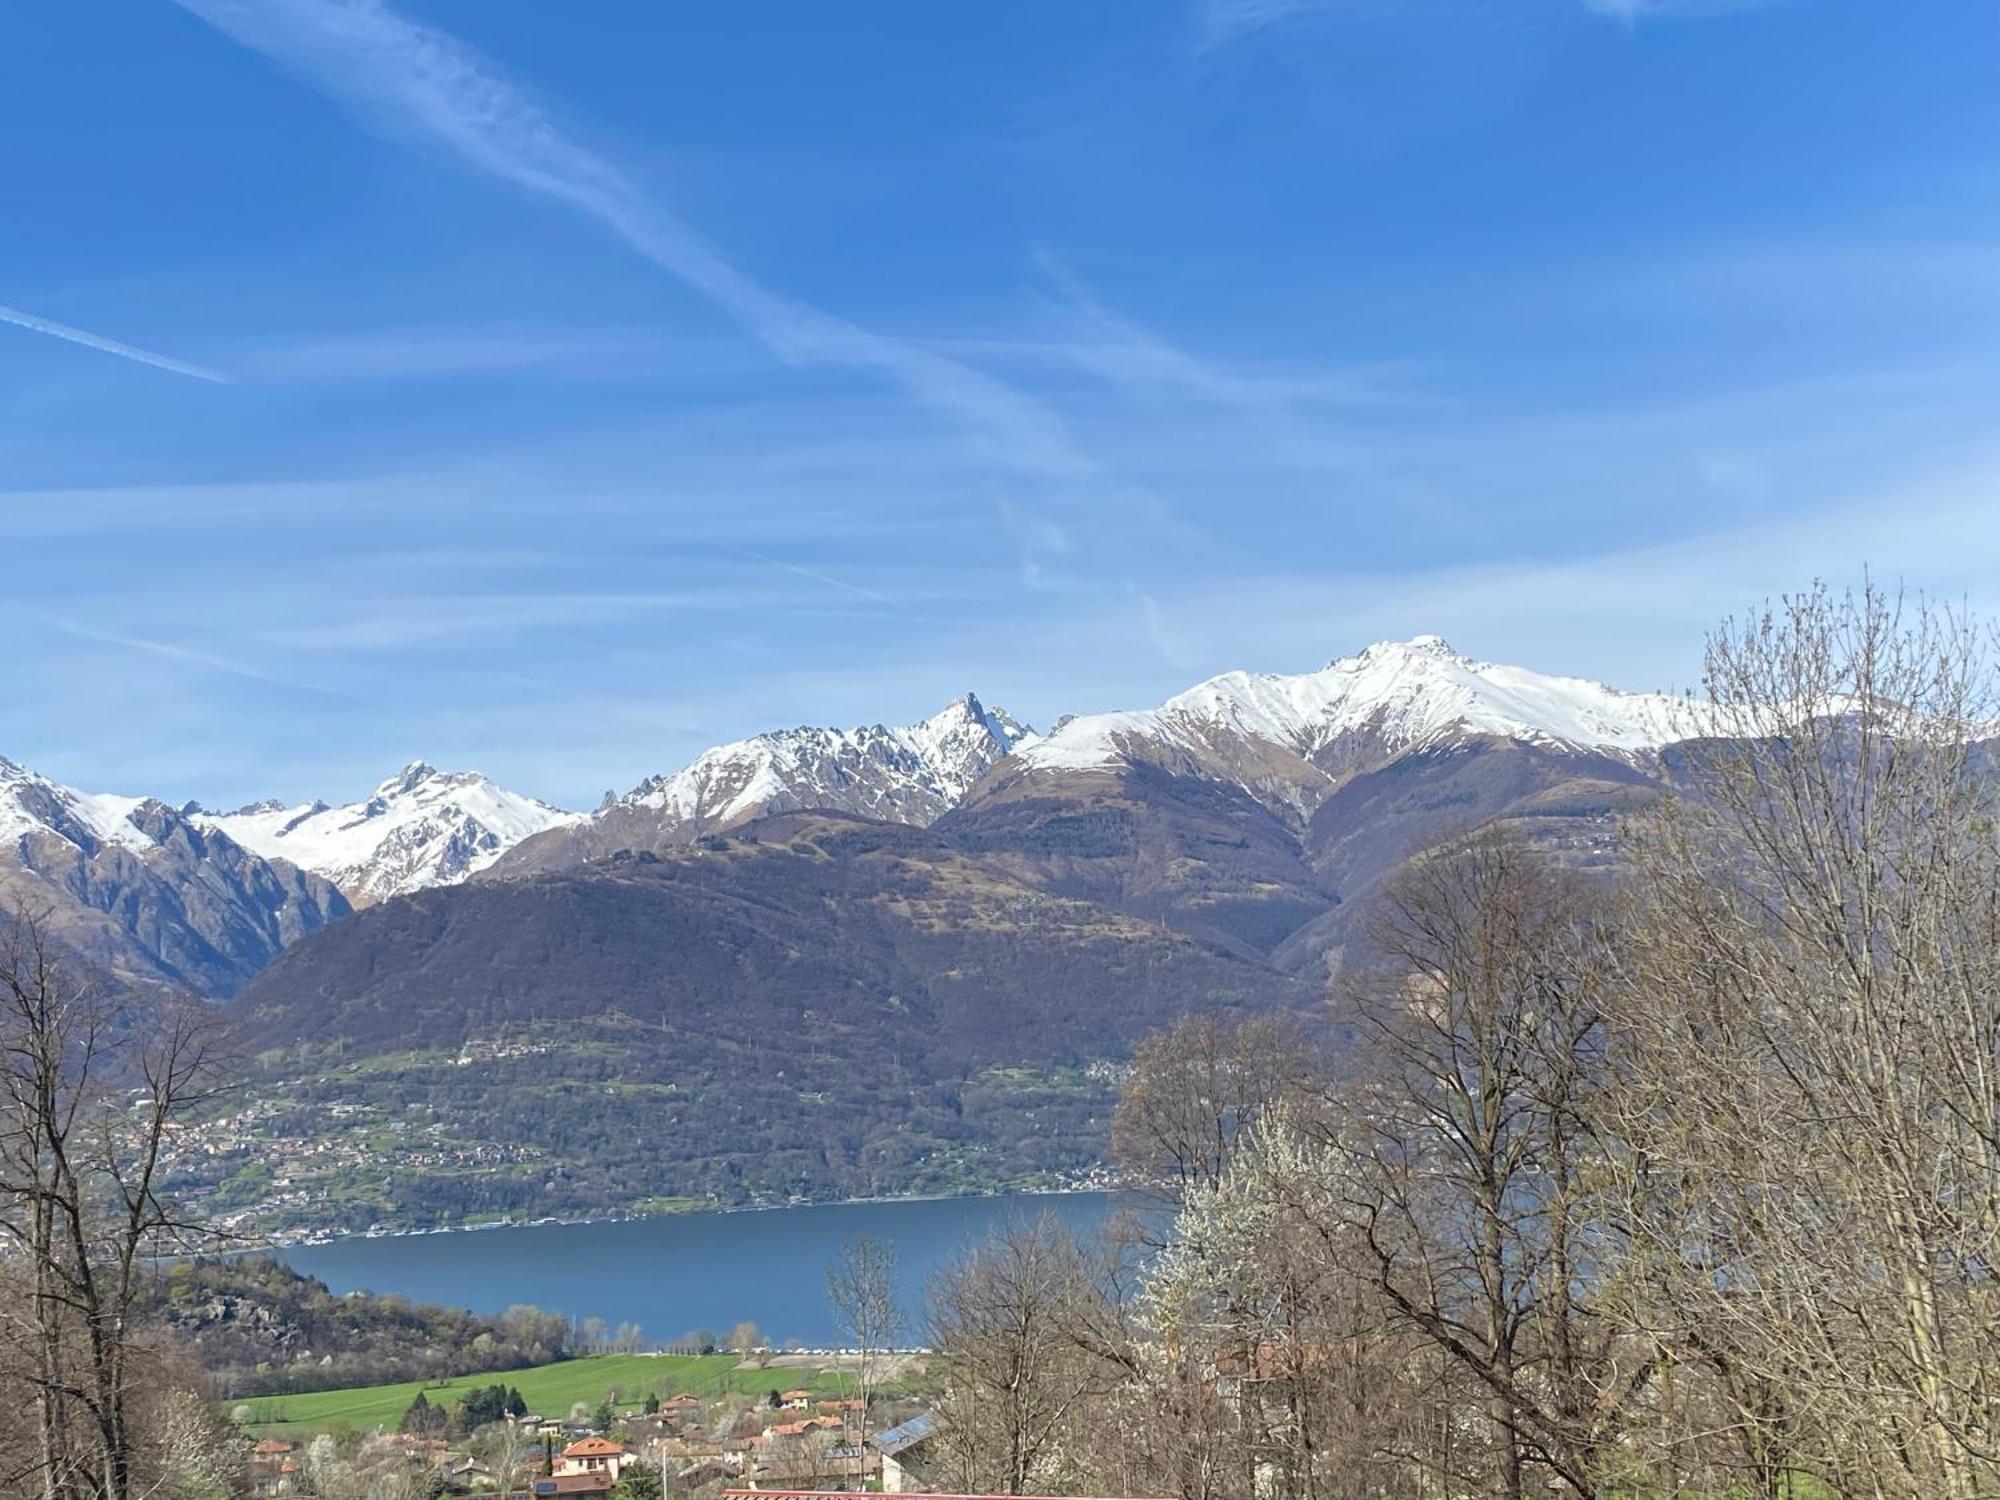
(104,345)
(417,82)
(1224,21)
(1122,351)
(1038,539)
(1634,11)
(187,656)
(442,353)
(1221,22)
(825,578)
(383,625)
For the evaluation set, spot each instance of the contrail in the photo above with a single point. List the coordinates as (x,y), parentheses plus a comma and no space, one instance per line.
(411,80)
(827,578)
(109,346)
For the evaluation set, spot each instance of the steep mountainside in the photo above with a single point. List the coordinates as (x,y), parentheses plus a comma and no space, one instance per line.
(730,987)
(1261,811)
(145,894)
(420,828)
(1290,741)
(1202,856)
(1568,803)
(819,1006)
(910,775)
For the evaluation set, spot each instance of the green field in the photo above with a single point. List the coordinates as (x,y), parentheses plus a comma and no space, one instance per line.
(549,1390)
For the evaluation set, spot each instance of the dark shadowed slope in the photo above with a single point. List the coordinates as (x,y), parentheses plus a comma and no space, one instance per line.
(822,1007)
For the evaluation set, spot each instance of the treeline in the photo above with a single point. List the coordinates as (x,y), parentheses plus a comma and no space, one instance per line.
(475,1409)
(262,1329)
(1684,1186)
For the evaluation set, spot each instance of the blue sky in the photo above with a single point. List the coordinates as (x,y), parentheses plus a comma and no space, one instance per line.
(559,389)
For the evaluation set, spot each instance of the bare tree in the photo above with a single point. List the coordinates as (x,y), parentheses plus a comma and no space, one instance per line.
(1195,1087)
(1811,1017)
(1690,1187)
(861,1287)
(1010,1323)
(1473,1134)
(91,1096)
(746,1339)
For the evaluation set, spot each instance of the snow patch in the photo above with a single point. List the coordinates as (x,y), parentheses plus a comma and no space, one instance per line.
(1410,693)
(911,773)
(419,828)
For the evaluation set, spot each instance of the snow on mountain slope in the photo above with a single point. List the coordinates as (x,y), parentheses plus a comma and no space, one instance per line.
(420,828)
(142,893)
(911,774)
(31,803)
(1401,694)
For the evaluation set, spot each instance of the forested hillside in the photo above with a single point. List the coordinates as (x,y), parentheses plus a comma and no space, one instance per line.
(261,1328)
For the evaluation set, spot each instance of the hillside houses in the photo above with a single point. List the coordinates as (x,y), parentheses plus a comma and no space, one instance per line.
(790,1440)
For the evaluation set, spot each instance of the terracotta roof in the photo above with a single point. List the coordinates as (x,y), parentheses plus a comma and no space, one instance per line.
(271,1447)
(593,1447)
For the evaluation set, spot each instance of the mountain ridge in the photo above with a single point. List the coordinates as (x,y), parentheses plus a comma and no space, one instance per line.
(1292,739)
(144,895)
(910,774)
(930,993)
(419,828)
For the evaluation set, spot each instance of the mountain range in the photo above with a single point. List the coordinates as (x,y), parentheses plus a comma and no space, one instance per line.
(1287,742)
(143,894)
(422,827)
(912,774)
(814,962)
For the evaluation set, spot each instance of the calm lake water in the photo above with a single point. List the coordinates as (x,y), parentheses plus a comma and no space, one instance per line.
(671,1275)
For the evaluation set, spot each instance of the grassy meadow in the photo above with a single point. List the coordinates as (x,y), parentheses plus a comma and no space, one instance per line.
(549,1390)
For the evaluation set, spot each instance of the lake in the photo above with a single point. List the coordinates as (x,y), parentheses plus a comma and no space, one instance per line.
(674,1274)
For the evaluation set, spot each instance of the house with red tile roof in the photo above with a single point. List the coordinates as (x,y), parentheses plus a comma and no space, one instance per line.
(591,1455)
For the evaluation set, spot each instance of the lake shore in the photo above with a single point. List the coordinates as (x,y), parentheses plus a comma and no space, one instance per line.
(305,1238)
(676,1273)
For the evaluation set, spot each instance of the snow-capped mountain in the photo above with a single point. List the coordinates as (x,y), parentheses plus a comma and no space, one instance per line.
(422,827)
(1290,739)
(910,774)
(33,804)
(144,893)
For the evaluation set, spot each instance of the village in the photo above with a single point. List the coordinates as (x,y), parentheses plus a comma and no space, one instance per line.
(489,1443)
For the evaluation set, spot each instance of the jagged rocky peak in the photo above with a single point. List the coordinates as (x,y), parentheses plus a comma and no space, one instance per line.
(34,805)
(1435,646)
(912,773)
(412,776)
(420,827)
(143,890)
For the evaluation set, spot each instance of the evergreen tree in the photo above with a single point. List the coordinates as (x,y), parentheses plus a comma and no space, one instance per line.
(421,1419)
(641,1482)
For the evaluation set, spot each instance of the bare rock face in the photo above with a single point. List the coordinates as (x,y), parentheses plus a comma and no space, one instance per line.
(144,893)
(1251,811)
(911,774)
(420,828)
